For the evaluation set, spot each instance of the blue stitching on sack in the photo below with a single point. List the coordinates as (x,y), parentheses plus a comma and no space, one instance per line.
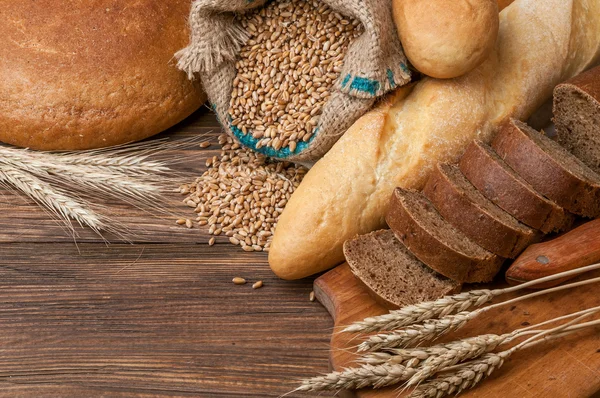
(250,142)
(390,76)
(365,85)
(346,80)
(404,68)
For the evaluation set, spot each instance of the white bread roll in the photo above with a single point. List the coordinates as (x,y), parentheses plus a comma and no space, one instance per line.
(347,192)
(446,38)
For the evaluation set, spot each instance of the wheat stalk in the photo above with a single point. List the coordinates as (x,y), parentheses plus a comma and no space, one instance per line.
(449,304)
(420,356)
(475,347)
(116,159)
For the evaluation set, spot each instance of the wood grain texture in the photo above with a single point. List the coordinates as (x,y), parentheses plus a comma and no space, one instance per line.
(571,250)
(569,367)
(156,318)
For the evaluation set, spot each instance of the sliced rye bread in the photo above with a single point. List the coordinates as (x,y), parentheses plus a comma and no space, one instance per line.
(576,109)
(549,168)
(393,276)
(461,204)
(500,184)
(435,242)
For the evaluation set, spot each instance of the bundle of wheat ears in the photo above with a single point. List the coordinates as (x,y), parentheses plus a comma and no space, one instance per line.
(68,184)
(449,368)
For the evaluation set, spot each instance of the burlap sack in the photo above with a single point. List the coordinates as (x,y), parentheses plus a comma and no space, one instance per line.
(373,65)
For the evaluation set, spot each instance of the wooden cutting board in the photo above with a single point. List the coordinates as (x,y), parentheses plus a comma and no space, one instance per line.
(569,367)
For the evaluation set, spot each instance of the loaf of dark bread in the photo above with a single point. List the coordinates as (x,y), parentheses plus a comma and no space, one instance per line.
(549,168)
(461,204)
(393,276)
(500,184)
(435,242)
(576,108)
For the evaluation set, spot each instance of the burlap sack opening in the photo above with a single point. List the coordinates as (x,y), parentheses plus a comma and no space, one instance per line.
(373,65)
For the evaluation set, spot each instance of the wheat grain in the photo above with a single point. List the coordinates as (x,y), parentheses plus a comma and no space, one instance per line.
(286,70)
(257,285)
(242,194)
(239,281)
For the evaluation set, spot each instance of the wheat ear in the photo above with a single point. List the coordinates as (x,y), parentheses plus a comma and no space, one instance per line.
(469,374)
(414,356)
(423,311)
(446,305)
(414,334)
(51,198)
(60,181)
(473,348)
(387,374)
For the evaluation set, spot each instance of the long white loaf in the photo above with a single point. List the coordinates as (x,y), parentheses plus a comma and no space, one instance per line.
(540,43)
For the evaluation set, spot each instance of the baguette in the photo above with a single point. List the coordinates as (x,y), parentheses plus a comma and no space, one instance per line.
(347,191)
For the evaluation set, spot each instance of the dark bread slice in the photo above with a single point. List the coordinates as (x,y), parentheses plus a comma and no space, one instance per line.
(459,202)
(500,184)
(576,109)
(549,168)
(435,242)
(391,274)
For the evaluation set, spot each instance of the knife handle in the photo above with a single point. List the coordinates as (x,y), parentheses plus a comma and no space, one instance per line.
(575,249)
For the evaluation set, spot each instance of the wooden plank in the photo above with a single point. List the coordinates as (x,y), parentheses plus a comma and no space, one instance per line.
(166,319)
(159,318)
(569,367)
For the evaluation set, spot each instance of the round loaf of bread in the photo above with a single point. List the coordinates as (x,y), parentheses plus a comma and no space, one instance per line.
(75,75)
(446,38)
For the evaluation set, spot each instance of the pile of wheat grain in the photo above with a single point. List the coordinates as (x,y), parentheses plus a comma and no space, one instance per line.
(241,195)
(287,69)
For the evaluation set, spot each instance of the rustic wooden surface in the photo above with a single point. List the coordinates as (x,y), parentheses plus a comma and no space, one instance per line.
(571,250)
(569,367)
(159,317)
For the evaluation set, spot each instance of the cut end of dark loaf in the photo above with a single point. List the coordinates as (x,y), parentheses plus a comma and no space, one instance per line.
(393,275)
(459,202)
(549,168)
(437,243)
(505,188)
(577,118)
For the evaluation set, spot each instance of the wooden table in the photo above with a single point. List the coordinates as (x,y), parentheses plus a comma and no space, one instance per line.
(159,317)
